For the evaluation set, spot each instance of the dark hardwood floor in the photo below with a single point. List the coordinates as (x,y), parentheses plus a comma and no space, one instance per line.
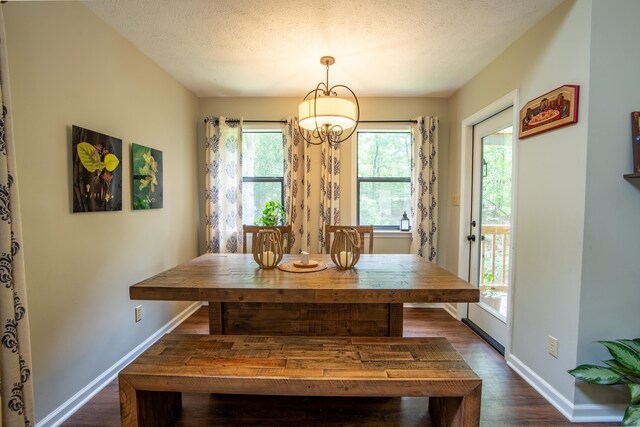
(507,400)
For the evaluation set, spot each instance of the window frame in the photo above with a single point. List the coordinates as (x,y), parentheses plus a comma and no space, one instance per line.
(264,129)
(383,128)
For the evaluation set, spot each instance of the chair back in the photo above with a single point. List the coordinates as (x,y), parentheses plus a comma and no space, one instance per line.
(363,230)
(285,232)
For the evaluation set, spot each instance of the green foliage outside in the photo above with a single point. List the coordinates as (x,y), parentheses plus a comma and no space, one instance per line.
(262,157)
(262,154)
(384,155)
(496,201)
(496,182)
(624,368)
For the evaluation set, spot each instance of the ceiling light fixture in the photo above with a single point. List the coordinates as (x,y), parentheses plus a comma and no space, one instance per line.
(327,116)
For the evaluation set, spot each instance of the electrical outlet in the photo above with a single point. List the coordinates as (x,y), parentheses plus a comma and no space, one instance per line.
(553,346)
(455,200)
(138,313)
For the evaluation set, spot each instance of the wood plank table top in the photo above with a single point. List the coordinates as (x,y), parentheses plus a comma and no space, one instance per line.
(377,278)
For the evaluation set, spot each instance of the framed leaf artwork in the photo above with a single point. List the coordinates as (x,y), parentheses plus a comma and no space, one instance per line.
(97,172)
(146,167)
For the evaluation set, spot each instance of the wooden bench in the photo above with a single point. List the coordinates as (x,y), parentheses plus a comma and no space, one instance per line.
(151,386)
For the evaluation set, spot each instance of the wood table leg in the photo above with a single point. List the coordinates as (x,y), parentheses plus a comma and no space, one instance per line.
(215,318)
(456,411)
(396,313)
(141,408)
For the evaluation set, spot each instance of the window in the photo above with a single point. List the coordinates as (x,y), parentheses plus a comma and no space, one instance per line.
(262,172)
(384,177)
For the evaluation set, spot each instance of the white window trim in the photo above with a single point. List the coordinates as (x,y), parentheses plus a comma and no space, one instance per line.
(392,234)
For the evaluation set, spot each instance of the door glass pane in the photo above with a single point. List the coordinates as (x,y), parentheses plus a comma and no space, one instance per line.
(496,220)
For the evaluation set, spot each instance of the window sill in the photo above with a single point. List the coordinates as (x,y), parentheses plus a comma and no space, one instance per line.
(392,234)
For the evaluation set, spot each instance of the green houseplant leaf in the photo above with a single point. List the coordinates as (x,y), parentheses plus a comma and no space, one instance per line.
(595,374)
(618,367)
(272,214)
(632,344)
(624,355)
(632,416)
(624,368)
(634,391)
(89,157)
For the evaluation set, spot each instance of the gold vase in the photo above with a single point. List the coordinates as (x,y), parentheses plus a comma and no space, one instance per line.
(267,250)
(345,250)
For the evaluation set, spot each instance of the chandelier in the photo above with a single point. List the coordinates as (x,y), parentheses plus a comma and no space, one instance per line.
(325,115)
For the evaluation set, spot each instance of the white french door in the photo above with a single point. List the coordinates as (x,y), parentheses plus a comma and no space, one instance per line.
(489,237)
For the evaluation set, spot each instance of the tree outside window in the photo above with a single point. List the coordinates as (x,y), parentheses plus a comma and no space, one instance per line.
(384,177)
(262,172)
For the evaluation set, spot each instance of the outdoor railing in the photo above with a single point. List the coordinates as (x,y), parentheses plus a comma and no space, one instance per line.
(494,262)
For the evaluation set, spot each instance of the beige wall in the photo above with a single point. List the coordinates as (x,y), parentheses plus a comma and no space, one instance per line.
(551,173)
(67,67)
(610,270)
(576,225)
(371,109)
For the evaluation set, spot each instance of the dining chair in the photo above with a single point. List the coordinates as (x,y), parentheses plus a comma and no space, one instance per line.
(285,231)
(363,230)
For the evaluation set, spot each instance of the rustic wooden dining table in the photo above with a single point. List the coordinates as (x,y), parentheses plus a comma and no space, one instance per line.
(365,301)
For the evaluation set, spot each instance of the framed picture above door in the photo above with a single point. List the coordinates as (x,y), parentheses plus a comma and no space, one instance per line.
(552,110)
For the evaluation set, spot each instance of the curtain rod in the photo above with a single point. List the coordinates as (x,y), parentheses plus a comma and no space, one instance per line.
(284,121)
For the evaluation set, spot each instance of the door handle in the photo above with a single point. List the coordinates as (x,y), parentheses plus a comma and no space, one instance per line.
(471,238)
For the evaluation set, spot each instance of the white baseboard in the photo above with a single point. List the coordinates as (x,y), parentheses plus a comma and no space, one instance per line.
(452,309)
(68,408)
(592,413)
(584,413)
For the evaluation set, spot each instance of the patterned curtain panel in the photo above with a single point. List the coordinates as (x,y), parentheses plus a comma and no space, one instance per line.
(15,352)
(223,184)
(329,190)
(297,187)
(424,187)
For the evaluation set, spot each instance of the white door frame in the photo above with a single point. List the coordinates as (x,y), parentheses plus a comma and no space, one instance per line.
(466,156)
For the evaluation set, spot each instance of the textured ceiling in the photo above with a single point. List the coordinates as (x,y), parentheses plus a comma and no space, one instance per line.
(273,47)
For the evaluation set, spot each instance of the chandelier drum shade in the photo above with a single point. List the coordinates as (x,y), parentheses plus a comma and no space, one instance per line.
(327,116)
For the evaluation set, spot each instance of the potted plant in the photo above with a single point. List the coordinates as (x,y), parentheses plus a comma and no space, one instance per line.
(624,368)
(272,214)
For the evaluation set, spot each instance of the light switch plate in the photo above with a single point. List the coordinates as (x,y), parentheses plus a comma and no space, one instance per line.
(553,346)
